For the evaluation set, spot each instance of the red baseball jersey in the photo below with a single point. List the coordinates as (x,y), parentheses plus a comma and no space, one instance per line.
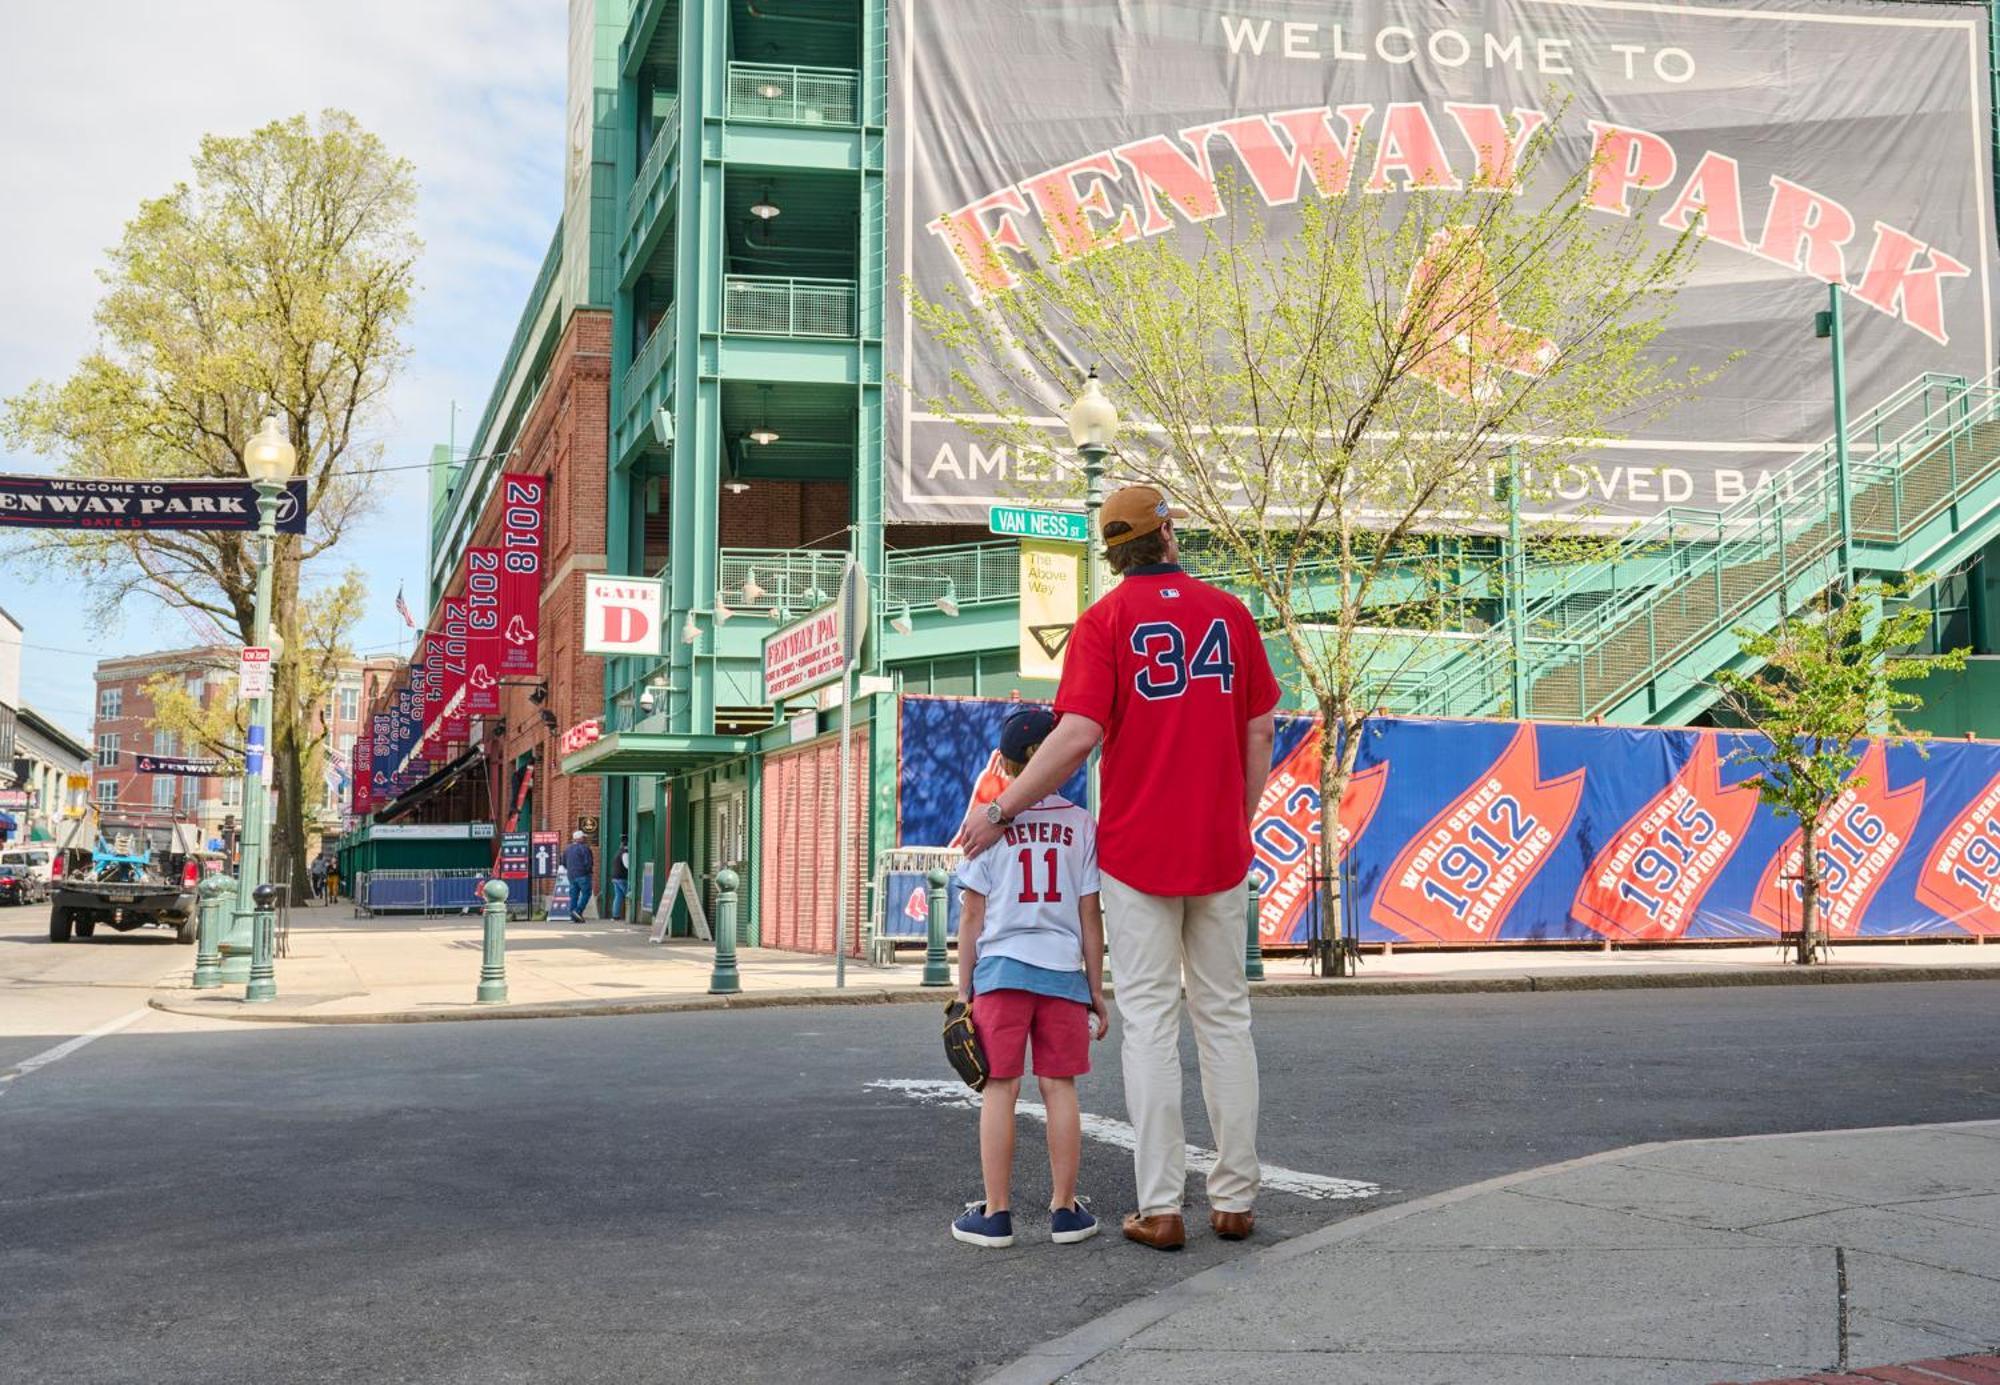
(1173,670)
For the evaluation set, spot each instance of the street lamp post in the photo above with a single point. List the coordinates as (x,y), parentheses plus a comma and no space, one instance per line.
(268,459)
(1093,427)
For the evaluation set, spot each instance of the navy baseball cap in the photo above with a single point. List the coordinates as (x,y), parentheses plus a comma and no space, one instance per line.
(1023,730)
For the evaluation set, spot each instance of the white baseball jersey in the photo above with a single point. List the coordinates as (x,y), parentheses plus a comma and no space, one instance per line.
(1034,879)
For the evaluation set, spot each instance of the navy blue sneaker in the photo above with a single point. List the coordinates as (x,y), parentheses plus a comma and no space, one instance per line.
(975,1228)
(1068,1225)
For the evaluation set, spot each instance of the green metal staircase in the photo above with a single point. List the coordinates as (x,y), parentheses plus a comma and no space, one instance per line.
(1637,636)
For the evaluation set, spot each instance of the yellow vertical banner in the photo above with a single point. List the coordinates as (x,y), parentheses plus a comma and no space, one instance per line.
(1051,600)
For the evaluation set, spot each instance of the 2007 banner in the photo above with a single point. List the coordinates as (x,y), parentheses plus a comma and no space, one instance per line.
(1468,832)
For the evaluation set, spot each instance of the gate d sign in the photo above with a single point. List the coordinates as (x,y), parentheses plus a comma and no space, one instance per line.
(621,615)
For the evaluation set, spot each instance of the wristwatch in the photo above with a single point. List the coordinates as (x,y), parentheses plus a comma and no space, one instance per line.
(995,816)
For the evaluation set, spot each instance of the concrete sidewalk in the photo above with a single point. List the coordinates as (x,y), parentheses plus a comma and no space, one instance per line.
(1695,1262)
(346,970)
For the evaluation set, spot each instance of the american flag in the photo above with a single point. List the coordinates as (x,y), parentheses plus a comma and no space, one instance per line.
(403,610)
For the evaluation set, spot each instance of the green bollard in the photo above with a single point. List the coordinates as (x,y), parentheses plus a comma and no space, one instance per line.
(1253,945)
(493,961)
(263,925)
(724,979)
(213,892)
(937,972)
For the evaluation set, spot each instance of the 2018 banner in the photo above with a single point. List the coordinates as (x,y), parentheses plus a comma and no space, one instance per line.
(1469,832)
(1807,142)
(523,516)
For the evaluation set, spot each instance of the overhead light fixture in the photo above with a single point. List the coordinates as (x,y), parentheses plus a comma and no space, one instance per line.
(902,624)
(548,719)
(723,615)
(771,91)
(764,209)
(663,426)
(764,434)
(540,694)
(646,699)
(690,632)
(752,592)
(948,603)
(813,597)
(736,487)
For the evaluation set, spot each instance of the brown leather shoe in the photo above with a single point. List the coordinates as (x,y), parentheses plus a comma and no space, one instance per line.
(1232,1226)
(1166,1231)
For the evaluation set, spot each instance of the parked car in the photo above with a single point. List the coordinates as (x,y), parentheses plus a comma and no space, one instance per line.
(17,886)
(41,862)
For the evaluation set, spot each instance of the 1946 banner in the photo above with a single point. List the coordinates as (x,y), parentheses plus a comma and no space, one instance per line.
(1467,832)
(1834,141)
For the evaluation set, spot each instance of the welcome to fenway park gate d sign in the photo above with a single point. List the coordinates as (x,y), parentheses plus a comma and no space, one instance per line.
(1811,143)
(59,502)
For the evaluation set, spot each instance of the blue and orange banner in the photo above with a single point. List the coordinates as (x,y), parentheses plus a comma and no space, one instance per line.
(1468,832)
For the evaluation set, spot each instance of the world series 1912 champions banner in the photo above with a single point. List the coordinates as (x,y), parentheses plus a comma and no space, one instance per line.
(1808,144)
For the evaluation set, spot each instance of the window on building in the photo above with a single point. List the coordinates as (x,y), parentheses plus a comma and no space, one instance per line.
(190,794)
(347,704)
(166,743)
(107,752)
(232,792)
(163,790)
(111,702)
(107,793)
(194,686)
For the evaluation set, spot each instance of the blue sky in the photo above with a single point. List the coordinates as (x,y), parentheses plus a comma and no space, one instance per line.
(102,105)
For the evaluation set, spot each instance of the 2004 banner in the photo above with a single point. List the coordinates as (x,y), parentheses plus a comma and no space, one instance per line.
(1808,142)
(1468,832)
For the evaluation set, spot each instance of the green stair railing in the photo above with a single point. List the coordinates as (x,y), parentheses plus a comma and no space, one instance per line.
(1678,580)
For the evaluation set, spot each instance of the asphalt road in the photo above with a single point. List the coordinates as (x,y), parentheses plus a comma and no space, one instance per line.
(715,1197)
(70,989)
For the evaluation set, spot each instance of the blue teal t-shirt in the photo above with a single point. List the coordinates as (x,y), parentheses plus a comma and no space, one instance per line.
(1012,974)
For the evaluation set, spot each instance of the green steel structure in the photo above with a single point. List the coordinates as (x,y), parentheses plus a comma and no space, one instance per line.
(727,205)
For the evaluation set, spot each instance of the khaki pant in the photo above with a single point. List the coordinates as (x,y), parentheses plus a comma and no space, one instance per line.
(1155,940)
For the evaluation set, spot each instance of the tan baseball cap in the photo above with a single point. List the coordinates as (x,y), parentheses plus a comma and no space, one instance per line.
(1145,508)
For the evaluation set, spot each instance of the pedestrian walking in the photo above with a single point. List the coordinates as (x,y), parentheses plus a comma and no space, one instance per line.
(581,865)
(318,876)
(1170,675)
(1031,966)
(621,875)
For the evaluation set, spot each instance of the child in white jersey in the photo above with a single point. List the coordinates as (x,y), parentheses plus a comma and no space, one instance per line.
(1031,964)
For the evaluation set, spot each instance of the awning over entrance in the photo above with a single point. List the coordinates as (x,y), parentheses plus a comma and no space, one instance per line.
(643,752)
(434,783)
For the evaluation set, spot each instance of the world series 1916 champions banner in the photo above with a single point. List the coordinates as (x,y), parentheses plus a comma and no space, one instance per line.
(1809,144)
(1464,832)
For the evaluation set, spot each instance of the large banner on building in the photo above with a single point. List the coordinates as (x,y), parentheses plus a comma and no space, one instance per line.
(483,651)
(1811,143)
(523,517)
(1468,832)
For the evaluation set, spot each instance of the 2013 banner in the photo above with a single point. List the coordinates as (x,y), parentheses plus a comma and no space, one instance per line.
(1468,832)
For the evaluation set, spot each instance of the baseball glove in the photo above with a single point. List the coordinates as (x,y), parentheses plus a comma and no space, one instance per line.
(961,1045)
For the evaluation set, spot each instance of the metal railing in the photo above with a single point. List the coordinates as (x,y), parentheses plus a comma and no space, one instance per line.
(666,136)
(647,362)
(426,891)
(793,95)
(1682,577)
(757,306)
(787,579)
(974,574)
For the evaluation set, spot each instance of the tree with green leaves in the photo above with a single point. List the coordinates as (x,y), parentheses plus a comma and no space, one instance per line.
(277,280)
(1331,400)
(1821,685)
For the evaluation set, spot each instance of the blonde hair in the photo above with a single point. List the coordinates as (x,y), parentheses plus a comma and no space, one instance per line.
(1014,767)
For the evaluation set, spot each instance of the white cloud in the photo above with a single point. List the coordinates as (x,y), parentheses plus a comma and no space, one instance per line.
(102,106)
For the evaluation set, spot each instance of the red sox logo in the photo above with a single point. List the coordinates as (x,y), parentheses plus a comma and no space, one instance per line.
(1463,339)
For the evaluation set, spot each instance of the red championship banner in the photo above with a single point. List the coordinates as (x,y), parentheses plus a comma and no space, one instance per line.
(1287,830)
(456,646)
(1455,882)
(1649,879)
(1961,880)
(523,509)
(482,620)
(433,689)
(1859,839)
(360,779)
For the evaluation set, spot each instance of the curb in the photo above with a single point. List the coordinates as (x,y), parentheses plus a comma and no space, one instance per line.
(1058,1357)
(231,1009)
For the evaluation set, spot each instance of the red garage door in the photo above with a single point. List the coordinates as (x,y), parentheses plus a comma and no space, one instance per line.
(800,860)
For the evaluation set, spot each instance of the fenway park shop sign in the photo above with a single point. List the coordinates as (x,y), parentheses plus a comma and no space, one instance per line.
(1804,144)
(52,502)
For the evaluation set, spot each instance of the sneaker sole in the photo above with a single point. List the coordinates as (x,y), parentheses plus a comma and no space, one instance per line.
(973,1238)
(1070,1238)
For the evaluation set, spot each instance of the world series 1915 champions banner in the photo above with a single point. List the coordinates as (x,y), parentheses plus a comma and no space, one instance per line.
(1808,144)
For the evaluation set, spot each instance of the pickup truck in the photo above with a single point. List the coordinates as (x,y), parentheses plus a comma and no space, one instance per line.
(122,891)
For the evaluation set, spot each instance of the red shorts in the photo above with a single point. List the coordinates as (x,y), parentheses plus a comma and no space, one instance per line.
(1005,1020)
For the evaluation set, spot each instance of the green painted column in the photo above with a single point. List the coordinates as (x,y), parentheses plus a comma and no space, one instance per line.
(937,971)
(865,489)
(493,952)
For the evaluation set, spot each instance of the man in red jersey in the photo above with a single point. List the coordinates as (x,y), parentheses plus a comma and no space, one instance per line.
(1170,674)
